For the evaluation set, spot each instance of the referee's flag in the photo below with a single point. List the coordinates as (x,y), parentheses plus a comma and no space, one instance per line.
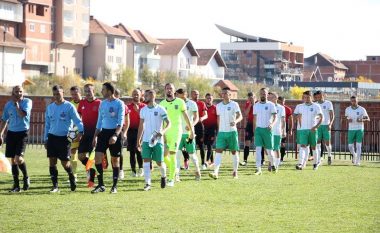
(5,166)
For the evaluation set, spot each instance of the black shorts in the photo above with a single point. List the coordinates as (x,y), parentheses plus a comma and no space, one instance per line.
(132,139)
(199,131)
(102,145)
(209,136)
(249,131)
(283,140)
(85,145)
(58,147)
(16,143)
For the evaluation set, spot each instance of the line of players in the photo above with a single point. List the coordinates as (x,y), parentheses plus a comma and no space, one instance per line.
(162,132)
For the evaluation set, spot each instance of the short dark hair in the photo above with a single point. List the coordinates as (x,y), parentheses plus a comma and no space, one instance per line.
(167,84)
(281,98)
(264,89)
(74,88)
(317,93)
(57,88)
(109,86)
(250,94)
(353,97)
(307,93)
(208,94)
(88,85)
(181,91)
(226,89)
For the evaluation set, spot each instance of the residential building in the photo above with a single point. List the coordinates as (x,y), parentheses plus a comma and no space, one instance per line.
(259,59)
(227,83)
(11,48)
(178,56)
(330,69)
(370,68)
(141,51)
(210,64)
(106,53)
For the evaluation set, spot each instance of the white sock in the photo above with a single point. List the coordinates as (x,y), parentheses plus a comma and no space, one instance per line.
(194,158)
(270,157)
(217,162)
(146,166)
(329,150)
(163,169)
(302,151)
(316,156)
(235,160)
(178,157)
(306,156)
(352,150)
(358,152)
(318,148)
(276,162)
(258,156)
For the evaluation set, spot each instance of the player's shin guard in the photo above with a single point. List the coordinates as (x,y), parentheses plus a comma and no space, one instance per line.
(209,153)
(194,158)
(235,161)
(115,175)
(178,158)
(218,162)
(329,150)
(172,166)
(22,168)
(246,153)
(282,151)
(163,169)
(146,166)
(202,152)
(258,156)
(318,148)
(302,155)
(352,150)
(99,168)
(270,156)
(15,174)
(70,172)
(54,175)
(358,152)
(317,158)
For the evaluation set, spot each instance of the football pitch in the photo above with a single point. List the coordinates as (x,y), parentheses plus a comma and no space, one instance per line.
(337,198)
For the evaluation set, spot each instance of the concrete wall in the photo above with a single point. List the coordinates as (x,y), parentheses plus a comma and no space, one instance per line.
(95,56)
(12,66)
(70,59)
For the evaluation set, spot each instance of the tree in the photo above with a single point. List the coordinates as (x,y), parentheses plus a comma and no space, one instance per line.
(203,85)
(147,77)
(126,80)
(296,92)
(107,73)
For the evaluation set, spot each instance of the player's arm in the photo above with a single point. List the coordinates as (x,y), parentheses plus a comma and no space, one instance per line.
(195,117)
(254,122)
(47,126)
(332,117)
(140,133)
(98,126)
(291,124)
(120,120)
(188,123)
(78,122)
(126,126)
(166,126)
(273,121)
(320,115)
(205,115)
(238,118)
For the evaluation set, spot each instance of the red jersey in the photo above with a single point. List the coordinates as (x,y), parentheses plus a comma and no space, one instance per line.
(134,115)
(288,113)
(89,112)
(212,120)
(201,108)
(250,114)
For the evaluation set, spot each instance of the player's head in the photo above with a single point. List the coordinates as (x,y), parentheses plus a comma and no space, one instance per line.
(89,91)
(226,93)
(281,100)
(195,95)
(117,93)
(169,90)
(209,98)
(264,94)
(273,97)
(75,93)
(57,93)
(354,101)
(251,97)
(108,89)
(318,96)
(17,92)
(306,97)
(136,95)
(150,96)
(181,93)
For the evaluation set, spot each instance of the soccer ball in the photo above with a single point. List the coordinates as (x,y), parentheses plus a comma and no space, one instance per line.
(73,133)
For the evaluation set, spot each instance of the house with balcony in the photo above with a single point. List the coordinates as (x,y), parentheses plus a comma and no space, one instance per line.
(141,51)
(210,64)
(11,48)
(330,69)
(178,56)
(106,53)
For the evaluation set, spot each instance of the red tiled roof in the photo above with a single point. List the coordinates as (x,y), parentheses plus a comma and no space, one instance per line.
(333,62)
(226,83)
(205,56)
(138,36)
(175,46)
(10,40)
(98,27)
(12,1)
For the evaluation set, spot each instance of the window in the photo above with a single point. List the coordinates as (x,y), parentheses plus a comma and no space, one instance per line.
(40,10)
(31,8)
(110,59)
(76,70)
(31,27)
(42,28)
(110,42)
(68,15)
(118,60)
(68,32)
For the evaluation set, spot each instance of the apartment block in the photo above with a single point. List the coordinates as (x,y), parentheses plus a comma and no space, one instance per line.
(259,59)
(369,68)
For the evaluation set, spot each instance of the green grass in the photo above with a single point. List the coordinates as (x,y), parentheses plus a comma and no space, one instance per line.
(339,198)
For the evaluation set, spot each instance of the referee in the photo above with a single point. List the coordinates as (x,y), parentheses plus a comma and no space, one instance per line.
(59,118)
(16,114)
(108,135)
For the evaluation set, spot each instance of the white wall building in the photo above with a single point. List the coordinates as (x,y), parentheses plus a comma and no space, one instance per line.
(210,65)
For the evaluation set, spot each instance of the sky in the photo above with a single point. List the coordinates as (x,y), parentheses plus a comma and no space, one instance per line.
(343,29)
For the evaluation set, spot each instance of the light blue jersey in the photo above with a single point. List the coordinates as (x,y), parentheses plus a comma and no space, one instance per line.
(59,119)
(16,123)
(111,114)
